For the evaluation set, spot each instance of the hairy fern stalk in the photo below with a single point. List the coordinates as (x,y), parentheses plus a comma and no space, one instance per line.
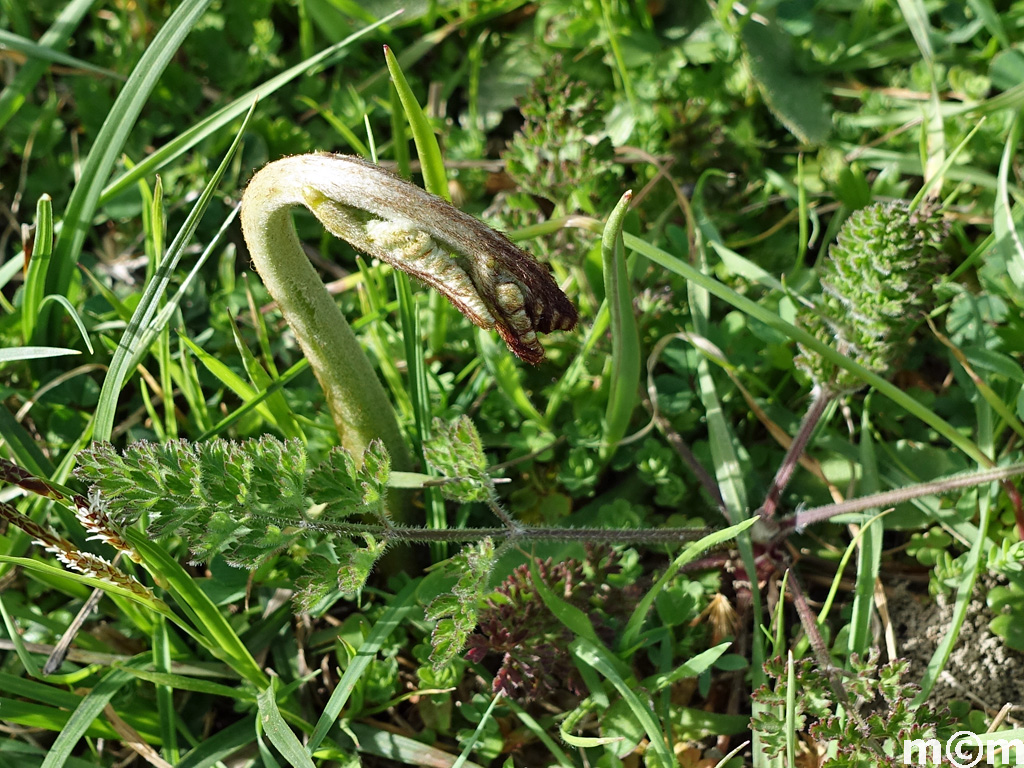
(876,288)
(491,281)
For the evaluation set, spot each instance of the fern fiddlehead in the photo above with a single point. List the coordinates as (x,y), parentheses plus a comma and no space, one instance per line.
(491,281)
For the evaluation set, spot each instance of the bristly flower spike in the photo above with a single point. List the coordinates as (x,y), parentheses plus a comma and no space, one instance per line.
(876,288)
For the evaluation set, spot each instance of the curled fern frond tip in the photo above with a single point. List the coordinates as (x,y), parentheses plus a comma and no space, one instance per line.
(494,283)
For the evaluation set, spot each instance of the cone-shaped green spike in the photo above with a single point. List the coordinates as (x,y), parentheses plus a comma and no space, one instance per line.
(876,287)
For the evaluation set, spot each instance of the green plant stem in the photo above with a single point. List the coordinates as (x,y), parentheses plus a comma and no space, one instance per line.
(358,403)
(518,535)
(493,283)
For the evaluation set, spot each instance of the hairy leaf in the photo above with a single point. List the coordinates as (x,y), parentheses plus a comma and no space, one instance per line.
(455,451)
(357,562)
(456,613)
(348,491)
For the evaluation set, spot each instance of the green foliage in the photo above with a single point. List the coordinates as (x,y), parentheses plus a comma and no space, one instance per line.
(347,490)
(793,96)
(881,716)
(927,546)
(179,483)
(1006,601)
(533,644)
(456,614)
(877,286)
(578,473)
(248,501)
(182,486)
(543,111)
(455,451)
(1003,561)
(561,153)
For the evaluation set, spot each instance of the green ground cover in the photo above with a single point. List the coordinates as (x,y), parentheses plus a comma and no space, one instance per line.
(791,234)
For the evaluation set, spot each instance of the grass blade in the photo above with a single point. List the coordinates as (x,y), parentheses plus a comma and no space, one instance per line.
(692,668)
(245,391)
(636,619)
(401,749)
(163,317)
(916,17)
(35,277)
(49,572)
(625,362)
(22,446)
(111,139)
(869,551)
(571,616)
(34,50)
(399,608)
(435,181)
(1008,239)
(463,759)
(34,353)
(85,713)
(19,642)
(220,745)
(508,376)
(598,658)
(984,10)
(791,686)
(277,730)
(538,730)
(261,379)
(13,96)
(971,568)
(141,329)
(222,117)
(73,314)
(723,452)
(209,626)
(166,709)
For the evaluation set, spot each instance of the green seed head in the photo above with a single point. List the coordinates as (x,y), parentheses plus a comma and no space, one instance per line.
(876,288)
